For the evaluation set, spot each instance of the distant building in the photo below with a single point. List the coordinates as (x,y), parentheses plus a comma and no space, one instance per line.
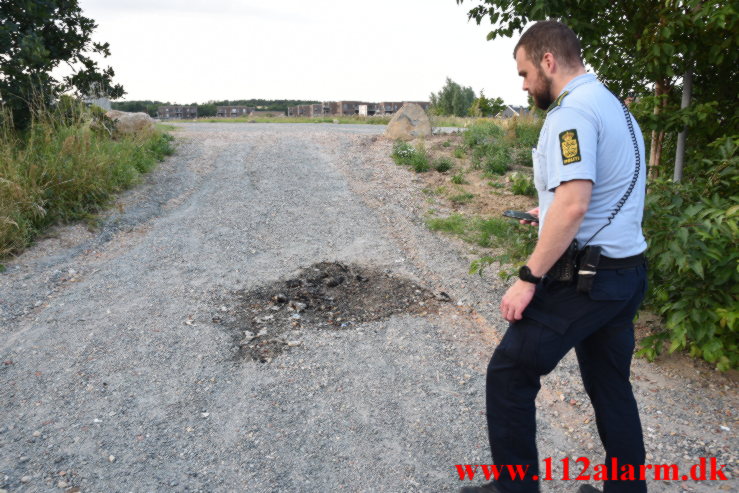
(233,111)
(177,112)
(266,113)
(511,111)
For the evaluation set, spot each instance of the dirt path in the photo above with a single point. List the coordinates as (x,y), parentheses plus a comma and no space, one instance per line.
(130,358)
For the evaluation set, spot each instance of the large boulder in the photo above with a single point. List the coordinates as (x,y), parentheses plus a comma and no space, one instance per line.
(130,123)
(409,122)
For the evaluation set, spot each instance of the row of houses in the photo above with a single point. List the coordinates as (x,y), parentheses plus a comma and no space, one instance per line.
(327,108)
(348,108)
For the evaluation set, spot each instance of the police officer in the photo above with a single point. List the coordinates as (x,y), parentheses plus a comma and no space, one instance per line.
(590,180)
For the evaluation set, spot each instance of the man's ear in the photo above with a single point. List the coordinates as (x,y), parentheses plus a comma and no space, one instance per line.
(548,63)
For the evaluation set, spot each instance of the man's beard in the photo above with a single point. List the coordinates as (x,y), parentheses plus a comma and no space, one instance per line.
(543,93)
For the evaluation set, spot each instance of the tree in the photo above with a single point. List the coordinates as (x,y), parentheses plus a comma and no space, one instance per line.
(645,46)
(36,37)
(483,106)
(453,99)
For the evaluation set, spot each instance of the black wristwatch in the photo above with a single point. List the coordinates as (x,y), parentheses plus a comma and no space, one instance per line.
(524,273)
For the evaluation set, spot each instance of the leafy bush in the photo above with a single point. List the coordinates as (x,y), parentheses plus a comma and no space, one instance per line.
(443,164)
(692,232)
(522,184)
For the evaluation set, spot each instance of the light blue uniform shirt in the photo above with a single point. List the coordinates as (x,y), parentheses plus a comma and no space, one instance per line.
(586,137)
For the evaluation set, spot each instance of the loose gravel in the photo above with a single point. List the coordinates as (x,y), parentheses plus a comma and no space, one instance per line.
(117,361)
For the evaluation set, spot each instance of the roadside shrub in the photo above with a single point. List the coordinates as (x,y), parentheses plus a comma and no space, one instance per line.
(65,167)
(443,164)
(522,184)
(692,232)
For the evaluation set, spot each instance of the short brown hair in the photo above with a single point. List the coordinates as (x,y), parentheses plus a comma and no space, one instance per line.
(551,37)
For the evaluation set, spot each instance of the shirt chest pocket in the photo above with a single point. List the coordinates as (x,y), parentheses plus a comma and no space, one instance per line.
(540,176)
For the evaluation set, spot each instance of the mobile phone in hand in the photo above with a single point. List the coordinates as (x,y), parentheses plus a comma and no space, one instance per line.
(525,216)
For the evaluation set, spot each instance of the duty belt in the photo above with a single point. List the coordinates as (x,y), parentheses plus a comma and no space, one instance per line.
(621,263)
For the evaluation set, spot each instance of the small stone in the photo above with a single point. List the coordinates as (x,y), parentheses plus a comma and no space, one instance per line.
(36,434)
(205,415)
(111,458)
(293,343)
(280,298)
(62,484)
(25,479)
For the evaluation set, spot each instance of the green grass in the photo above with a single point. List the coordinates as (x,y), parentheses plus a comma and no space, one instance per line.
(454,224)
(459,153)
(62,169)
(462,198)
(446,143)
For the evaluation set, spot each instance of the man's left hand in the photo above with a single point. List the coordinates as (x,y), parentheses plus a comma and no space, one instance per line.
(516,299)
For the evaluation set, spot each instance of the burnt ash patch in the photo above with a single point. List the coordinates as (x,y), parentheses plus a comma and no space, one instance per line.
(266,321)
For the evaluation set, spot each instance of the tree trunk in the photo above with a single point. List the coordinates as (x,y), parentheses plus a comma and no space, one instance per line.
(680,152)
(655,151)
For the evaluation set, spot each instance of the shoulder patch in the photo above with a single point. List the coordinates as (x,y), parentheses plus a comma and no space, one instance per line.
(570,147)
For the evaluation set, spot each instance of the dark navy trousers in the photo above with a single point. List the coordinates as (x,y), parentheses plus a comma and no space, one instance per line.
(599,325)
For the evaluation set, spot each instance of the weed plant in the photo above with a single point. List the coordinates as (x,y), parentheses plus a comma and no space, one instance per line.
(459,153)
(443,164)
(496,161)
(458,179)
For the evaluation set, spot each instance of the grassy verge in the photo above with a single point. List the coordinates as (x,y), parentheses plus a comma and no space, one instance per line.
(65,167)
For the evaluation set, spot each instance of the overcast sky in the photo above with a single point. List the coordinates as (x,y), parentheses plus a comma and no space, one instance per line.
(186,51)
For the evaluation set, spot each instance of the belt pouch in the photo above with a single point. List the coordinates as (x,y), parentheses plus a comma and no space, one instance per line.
(564,269)
(588,267)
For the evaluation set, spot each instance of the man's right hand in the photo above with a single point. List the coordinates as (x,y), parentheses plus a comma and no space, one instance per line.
(533,212)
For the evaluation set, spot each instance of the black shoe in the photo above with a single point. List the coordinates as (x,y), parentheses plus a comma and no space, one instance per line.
(586,488)
(483,488)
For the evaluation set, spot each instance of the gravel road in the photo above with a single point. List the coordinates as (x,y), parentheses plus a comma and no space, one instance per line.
(120,372)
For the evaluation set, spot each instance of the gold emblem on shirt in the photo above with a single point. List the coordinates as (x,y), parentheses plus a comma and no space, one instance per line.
(570,147)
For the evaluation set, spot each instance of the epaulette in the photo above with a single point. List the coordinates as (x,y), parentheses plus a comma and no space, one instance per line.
(557,101)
